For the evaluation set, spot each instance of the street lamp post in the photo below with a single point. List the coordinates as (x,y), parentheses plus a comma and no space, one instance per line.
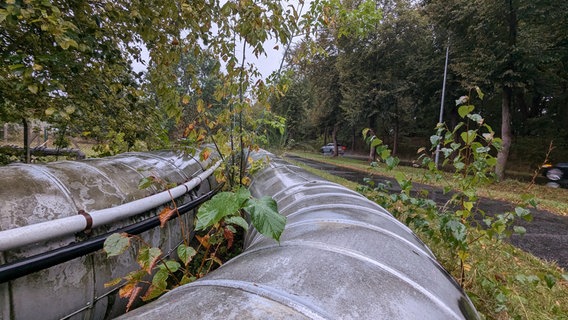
(442,103)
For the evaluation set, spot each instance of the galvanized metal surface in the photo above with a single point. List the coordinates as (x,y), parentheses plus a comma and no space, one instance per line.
(340,257)
(31,194)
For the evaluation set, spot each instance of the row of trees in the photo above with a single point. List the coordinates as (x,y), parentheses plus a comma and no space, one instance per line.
(376,64)
(69,63)
(389,75)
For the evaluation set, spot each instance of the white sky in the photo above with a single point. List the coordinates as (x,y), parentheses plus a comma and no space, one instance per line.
(266,64)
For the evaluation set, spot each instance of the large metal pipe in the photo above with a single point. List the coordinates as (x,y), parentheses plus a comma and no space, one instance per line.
(33,196)
(341,256)
(51,229)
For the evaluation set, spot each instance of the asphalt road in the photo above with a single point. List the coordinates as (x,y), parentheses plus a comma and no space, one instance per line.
(546,236)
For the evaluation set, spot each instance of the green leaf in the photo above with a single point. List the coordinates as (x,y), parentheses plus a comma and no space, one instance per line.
(435,139)
(392,162)
(169,266)
(49,111)
(376,142)
(479,92)
(145,182)
(33,88)
(465,110)
(519,230)
(457,229)
(239,221)
(476,117)
(469,136)
(148,257)
(220,206)
(550,280)
(186,253)
(265,217)
(242,195)
(116,244)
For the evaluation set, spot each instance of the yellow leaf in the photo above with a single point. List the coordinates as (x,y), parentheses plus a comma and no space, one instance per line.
(204,241)
(33,88)
(126,291)
(185,99)
(200,106)
(70,109)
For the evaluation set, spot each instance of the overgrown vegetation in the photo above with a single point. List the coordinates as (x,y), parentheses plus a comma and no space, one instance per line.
(502,281)
(213,240)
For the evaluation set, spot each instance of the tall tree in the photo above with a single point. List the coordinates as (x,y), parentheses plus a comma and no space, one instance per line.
(501,47)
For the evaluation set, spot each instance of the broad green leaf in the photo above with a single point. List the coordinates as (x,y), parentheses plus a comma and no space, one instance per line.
(239,221)
(435,139)
(376,142)
(265,217)
(186,253)
(116,244)
(392,162)
(242,195)
(220,206)
(457,229)
(469,136)
(465,110)
(400,178)
(169,266)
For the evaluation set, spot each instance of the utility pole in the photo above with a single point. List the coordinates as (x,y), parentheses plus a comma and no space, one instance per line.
(442,103)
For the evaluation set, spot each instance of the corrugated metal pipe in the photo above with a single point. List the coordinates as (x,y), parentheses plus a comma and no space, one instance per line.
(38,232)
(341,256)
(53,215)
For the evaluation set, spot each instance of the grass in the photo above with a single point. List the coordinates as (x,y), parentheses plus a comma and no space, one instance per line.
(550,199)
(503,281)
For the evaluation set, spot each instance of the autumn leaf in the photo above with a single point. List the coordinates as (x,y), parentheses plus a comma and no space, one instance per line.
(204,241)
(126,291)
(229,236)
(165,215)
(135,292)
(205,154)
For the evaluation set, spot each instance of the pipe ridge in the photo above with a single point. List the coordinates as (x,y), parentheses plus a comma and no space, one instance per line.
(254,237)
(309,185)
(361,257)
(333,194)
(282,297)
(365,226)
(60,185)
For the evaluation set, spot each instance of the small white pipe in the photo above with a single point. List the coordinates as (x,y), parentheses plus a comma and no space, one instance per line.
(22,236)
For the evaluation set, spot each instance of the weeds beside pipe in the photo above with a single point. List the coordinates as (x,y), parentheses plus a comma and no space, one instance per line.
(19,237)
(20,268)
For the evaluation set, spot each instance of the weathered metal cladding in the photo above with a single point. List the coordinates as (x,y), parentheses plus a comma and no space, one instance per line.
(341,256)
(31,194)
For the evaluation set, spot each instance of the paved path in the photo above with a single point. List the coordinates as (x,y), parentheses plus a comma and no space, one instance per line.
(546,237)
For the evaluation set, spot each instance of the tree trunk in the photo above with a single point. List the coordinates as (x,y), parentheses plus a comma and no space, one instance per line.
(506,135)
(26,140)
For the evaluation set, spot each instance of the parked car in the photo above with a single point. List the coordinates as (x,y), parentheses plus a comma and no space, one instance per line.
(330,147)
(557,175)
